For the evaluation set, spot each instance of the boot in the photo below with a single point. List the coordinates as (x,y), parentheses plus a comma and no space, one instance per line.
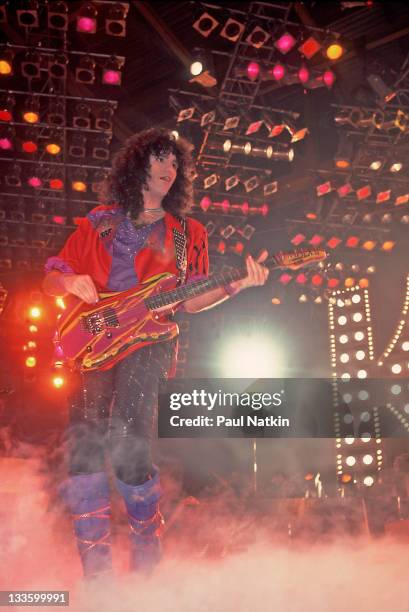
(88,497)
(145,522)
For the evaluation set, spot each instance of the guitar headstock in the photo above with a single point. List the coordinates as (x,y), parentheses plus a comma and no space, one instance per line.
(299,258)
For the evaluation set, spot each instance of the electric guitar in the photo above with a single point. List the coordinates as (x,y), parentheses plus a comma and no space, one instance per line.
(96,336)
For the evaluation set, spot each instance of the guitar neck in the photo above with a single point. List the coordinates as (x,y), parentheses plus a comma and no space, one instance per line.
(196,288)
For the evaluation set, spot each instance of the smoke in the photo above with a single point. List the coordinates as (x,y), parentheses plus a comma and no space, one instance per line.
(222,552)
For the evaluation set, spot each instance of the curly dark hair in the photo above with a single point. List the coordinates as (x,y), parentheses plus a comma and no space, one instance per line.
(130,171)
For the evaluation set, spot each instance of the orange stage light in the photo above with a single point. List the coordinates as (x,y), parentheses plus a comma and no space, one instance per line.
(58,382)
(79,186)
(33,329)
(5,67)
(31,117)
(31,362)
(334,51)
(35,312)
(53,148)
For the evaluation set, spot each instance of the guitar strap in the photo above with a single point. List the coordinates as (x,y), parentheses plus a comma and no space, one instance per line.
(180,242)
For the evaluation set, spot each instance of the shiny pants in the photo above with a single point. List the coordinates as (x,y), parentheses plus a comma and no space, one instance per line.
(115,411)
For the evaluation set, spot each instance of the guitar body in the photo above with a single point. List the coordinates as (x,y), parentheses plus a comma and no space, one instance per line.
(91,337)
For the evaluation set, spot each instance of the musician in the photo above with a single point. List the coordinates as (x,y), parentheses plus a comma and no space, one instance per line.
(115,247)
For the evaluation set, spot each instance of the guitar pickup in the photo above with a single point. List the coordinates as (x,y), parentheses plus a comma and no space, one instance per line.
(97,322)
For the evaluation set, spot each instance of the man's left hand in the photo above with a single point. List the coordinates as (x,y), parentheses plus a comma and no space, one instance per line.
(256,273)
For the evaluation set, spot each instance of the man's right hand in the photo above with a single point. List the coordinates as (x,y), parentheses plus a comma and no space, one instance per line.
(82,286)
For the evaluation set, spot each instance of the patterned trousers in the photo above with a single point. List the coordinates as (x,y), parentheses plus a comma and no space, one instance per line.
(116,411)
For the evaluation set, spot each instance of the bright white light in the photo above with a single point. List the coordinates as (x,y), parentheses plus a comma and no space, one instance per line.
(362,374)
(350,460)
(368,481)
(344,358)
(396,389)
(396,368)
(365,416)
(405,346)
(363,395)
(251,356)
(196,68)
(366,437)
(343,339)
(349,440)
(367,459)
(359,336)
(348,419)
(406,408)
(356,298)
(342,320)
(346,376)
(347,398)
(360,355)
(357,316)
(340,303)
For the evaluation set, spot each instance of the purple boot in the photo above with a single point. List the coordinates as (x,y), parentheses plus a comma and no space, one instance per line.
(88,497)
(145,522)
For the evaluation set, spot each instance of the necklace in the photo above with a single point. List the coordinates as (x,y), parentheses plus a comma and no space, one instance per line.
(155,210)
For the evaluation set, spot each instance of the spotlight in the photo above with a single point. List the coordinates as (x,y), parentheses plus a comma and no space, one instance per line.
(278,72)
(334,51)
(28,17)
(257,37)
(58,16)
(344,155)
(111,72)
(77,147)
(253,70)
(35,180)
(31,111)
(231,123)
(56,180)
(53,146)
(304,74)
(277,154)
(115,21)
(329,78)
(85,72)
(57,66)
(364,192)
(376,164)
(6,63)
(6,107)
(56,112)
(344,190)
(103,120)
(396,167)
(87,19)
(30,66)
(388,245)
(383,196)
(285,43)
(205,24)
(58,381)
(7,136)
(232,30)
(31,362)
(82,117)
(385,93)
(100,149)
(29,143)
(310,47)
(79,180)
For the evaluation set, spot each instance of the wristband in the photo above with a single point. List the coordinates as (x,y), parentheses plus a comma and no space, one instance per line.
(231,290)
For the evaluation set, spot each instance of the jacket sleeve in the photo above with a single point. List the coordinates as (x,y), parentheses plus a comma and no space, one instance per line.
(70,258)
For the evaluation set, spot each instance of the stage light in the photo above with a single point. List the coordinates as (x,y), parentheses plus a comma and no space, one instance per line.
(231,182)
(56,112)
(30,66)
(301,278)
(369,245)
(364,192)
(304,74)
(251,184)
(221,247)
(205,203)
(309,47)
(232,30)
(285,43)
(368,481)
(363,283)
(79,180)
(115,21)
(27,17)
(385,93)
(29,143)
(386,218)
(323,189)
(85,72)
(298,239)
(35,312)
(111,72)
(253,70)
(316,240)
(57,18)
(404,219)
(334,242)
(303,298)
(58,381)
(352,242)
(82,117)
(285,278)
(101,148)
(35,181)
(278,72)
(334,51)
(103,119)
(344,190)
(31,111)
(329,78)
(7,136)
(57,66)
(333,282)
(251,355)
(6,63)
(53,147)
(257,37)
(317,280)
(345,152)
(396,167)
(77,147)
(87,19)
(376,164)
(388,245)
(56,182)
(31,362)
(210,180)
(402,199)
(205,24)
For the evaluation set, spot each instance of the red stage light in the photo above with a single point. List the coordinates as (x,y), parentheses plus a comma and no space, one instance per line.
(328,78)
(278,72)
(352,242)
(238,248)
(317,280)
(298,239)
(56,183)
(205,203)
(333,242)
(6,143)
(309,48)
(285,43)
(304,74)
(285,278)
(245,208)
(253,70)
(35,181)
(29,146)
(264,210)
(333,282)
(5,115)
(221,247)
(225,205)
(301,278)
(323,189)
(316,240)
(344,190)
(111,77)
(311,216)
(364,192)
(383,196)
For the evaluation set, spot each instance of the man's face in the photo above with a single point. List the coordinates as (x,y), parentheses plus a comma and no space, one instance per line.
(163,170)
